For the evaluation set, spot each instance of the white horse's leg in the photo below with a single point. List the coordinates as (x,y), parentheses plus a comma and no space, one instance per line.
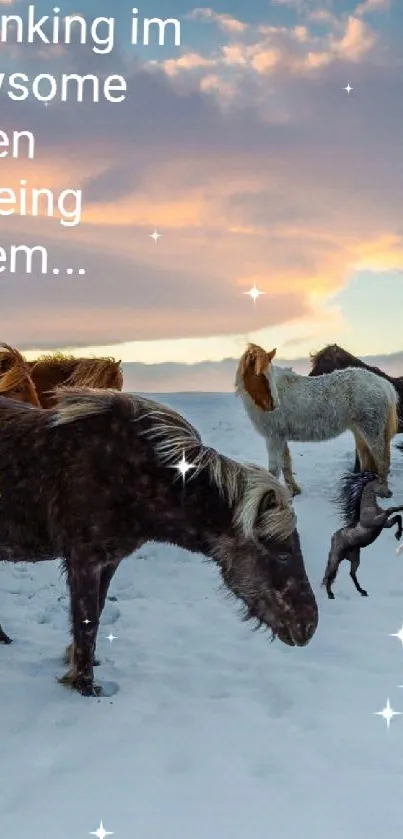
(290,481)
(274,448)
(280,461)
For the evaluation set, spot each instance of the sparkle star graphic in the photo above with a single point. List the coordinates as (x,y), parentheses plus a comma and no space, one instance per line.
(398,635)
(111,637)
(101,832)
(254,293)
(86,621)
(387,713)
(348,88)
(183,466)
(155,236)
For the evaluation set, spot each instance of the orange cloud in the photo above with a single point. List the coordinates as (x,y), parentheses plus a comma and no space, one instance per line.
(226,22)
(294,49)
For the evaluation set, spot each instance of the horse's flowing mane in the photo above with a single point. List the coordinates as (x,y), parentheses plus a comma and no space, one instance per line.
(14,371)
(95,372)
(250,376)
(173,437)
(82,372)
(348,499)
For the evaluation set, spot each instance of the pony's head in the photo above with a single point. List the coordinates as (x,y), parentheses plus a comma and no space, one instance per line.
(264,565)
(255,373)
(15,379)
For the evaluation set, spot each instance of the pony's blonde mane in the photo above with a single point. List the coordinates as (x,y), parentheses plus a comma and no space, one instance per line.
(16,374)
(173,437)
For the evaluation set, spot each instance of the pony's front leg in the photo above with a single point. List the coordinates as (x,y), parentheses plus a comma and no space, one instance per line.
(275,451)
(104,583)
(280,461)
(290,481)
(84,583)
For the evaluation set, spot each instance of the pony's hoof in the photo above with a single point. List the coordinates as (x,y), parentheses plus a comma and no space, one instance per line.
(330,595)
(86,688)
(364,593)
(4,639)
(82,684)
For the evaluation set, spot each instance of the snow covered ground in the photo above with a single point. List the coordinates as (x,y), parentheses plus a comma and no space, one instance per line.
(209,731)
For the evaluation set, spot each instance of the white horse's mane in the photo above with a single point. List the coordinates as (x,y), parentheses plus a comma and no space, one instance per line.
(243,485)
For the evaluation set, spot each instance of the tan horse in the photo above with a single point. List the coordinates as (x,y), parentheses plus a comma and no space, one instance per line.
(51,371)
(15,379)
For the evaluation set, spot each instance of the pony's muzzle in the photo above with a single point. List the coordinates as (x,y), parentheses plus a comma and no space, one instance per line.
(299,633)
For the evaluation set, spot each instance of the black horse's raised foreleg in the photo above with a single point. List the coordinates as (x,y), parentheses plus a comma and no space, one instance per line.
(84,583)
(354,557)
(395,520)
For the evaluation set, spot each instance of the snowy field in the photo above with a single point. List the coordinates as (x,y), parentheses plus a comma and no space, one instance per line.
(209,731)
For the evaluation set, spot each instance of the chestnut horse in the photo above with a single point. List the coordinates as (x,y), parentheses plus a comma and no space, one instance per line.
(15,380)
(332,357)
(96,477)
(51,371)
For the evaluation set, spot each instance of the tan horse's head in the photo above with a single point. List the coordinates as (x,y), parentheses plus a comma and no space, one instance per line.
(15,378)
(252,368)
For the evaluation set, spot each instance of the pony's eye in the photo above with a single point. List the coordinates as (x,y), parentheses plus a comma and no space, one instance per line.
(282,558)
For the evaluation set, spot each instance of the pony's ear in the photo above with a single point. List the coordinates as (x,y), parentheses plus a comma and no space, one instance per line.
(270,355)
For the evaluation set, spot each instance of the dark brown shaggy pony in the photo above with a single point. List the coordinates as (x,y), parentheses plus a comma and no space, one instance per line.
(51,371)
(15,380)
(97,476)
(333,357)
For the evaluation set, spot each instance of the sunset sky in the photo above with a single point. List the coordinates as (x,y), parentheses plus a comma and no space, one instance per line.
(242,148)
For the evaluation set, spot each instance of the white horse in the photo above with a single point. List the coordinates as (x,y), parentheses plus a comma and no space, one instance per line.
(283,405)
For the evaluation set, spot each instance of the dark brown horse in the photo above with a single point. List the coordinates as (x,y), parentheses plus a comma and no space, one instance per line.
(15,380)
(97,476)
(51,371)
(333,357)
